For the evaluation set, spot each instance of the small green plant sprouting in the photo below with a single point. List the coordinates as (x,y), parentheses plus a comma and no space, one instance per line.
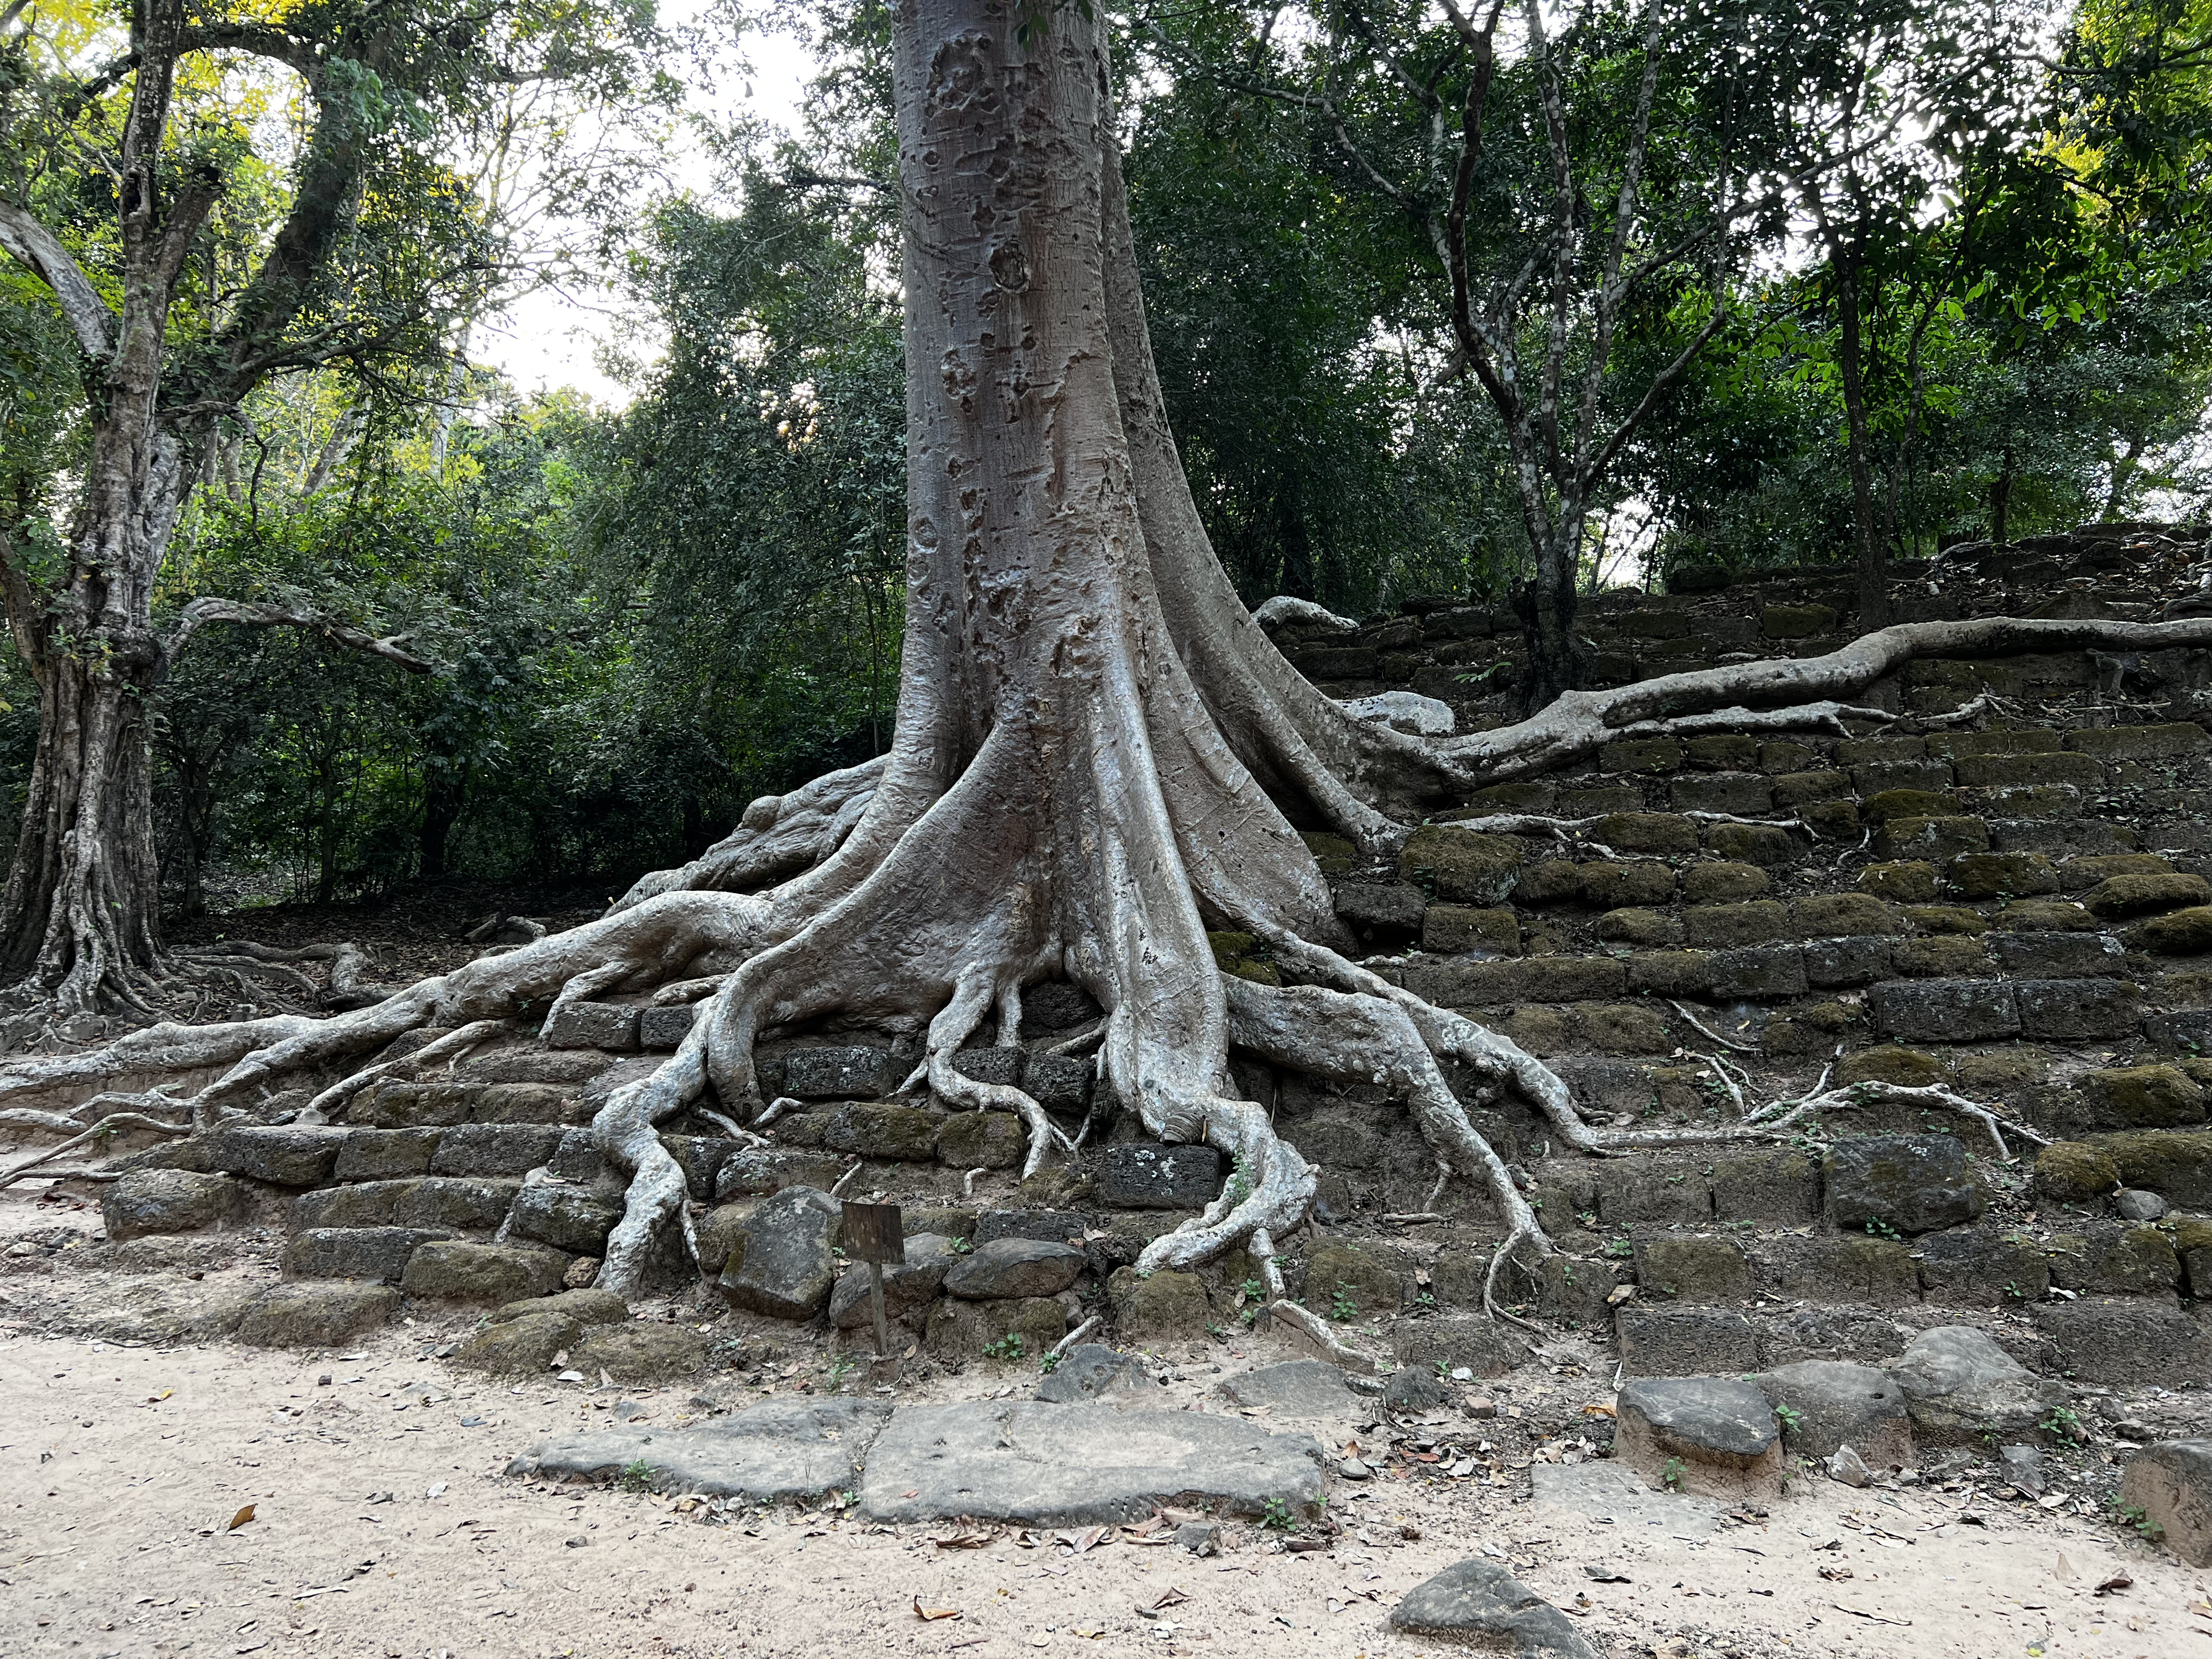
(963,1247)
(2133,1518)
(1877,1228)
(1620,1248)
(2014,1290)
(1008,1347)
(1250,1315)
(1252,1290)
(1049,1364)
(1791,1418)
(1671,1473)
(1340,1305)
(1425,1302)
(1277,1517)
(1240,1182)
(2064,1423)
(841,1368)
(636,1476)
(1214,1329)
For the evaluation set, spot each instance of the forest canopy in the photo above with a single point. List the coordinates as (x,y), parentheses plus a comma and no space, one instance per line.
(1894,278)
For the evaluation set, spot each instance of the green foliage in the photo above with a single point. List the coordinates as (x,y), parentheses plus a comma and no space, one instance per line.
(636,1476)
(1007,1348)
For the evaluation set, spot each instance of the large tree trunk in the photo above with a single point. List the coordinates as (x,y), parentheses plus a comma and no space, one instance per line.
(81,912)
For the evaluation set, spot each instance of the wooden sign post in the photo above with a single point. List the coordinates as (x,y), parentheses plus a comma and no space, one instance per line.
(876,1234)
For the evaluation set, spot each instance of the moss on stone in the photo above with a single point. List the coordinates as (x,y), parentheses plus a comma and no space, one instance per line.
(2120,897)
(1908,881)
(1462,866)
(1907,1068)
(2184,933)
(2143,1097)
(2075,1172)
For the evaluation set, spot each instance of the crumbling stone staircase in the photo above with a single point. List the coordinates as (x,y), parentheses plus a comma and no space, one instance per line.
(2014,906)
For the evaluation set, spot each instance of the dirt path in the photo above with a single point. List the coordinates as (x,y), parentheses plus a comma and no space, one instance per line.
(126,1466)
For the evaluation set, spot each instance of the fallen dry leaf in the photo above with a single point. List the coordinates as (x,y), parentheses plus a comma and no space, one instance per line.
(241,1518)
(920,1612)
(964,1540)
(153,1399)
(1170,1597)
(2119,1581)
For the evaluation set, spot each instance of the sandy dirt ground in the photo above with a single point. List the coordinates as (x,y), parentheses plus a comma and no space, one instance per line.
(382,1525)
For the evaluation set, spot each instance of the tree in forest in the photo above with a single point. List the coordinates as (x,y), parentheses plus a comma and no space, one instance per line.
(1095,750)
(188,275)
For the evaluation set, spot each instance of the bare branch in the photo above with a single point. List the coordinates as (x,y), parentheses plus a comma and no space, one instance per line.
(87,313)
(200,612)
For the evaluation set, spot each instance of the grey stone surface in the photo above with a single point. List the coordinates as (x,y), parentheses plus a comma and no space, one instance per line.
(1014,1267)
(378,1253)
(909,1287)
(848,1073)
(1059,1083)
(385,1154)
(450,1201)
(868,1130)
(2184,1031)
(1684,1341)
(1835,1403)
(494,1149)
(640,1351)
(1055,1005)
(763,1169)
(1858,960)
(1297,1387)
(295,1155)
(2057,956)
(784,1268)
(520,1346)
(1472,1341)
(1149,1175)
(1959,1384)
(1912,1183)
(1713,1435)
(1073,1465)
(1091,1370)
(571,1219)
(1609,1490)
(583,1307)
(604,1025)
(2172,1483)
(1057,1226)
(1944,1009)
(1479,1603)
(459,1270)
(2128,1340)
(659,1030)
(2077,1010)
(770,1453)
(2133,1204)
(169,1201)
(1765,972)
(318,1313)
(992,1064)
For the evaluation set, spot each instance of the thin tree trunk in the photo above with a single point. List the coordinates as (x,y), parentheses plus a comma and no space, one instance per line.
(2001,499)
(1873,557)
(1546,607)
(445,790)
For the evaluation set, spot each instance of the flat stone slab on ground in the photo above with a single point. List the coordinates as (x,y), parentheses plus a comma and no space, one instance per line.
(1077,1465)
(767,1453)
(1478,1603)
(1297,1387)
(1611,1490)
